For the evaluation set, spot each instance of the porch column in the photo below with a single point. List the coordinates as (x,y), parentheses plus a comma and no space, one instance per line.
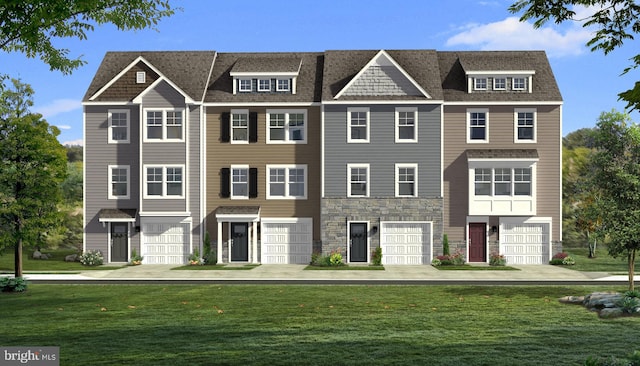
(219,242)
(254,241)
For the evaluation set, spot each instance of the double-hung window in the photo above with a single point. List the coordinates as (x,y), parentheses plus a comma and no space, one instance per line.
(118,182)
(118,126)
(483,182)
(522,181)
(164,125)
(287,126)
(239,125)
(503,181)
(358,125)
(406,180)
(477,125)
(499,83)
(406,125)
(244,85)
(519,83)
(164,182)
(525,125)
(283,85)
(480,83)
(287,182)
(239,182)
(264,85)
(358,180)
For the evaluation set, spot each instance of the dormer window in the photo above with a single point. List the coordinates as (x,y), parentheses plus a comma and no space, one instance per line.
(265,74)
(519,83)
(499,83)
(141,77)
(244,85)
(264,85)
(480,83)
(283,85)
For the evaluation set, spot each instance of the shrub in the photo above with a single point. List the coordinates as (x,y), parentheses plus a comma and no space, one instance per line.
(568,261)
(445,244)
(436,262)
(377,256)
(335,259)
(559,258)
(135,258)
(195,259)
(91,258)
(497,260)
(332,260)
(455,259)
(13,284)
(209,256)
(629,304)
(634,293)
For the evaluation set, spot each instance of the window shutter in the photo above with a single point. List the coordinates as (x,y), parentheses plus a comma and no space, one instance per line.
(225,127)
(253,127)
(253,182)
(225,191)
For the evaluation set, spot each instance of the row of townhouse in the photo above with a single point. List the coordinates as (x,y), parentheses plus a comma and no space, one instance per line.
(279,155)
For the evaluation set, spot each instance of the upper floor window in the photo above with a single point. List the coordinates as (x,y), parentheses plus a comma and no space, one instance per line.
(503,181)
(264,85)
(406,125)
(406,180)
(118,182)
(164,125)
(164,182)
(239,182)
(480,83)
(118,126)
(287,126)
(499,83)
(244,85)
(477,125)
(283,85)
(519,83)
(239,125)
(525,125)
(287,182)
(358,125)
(483,181)
(358,180)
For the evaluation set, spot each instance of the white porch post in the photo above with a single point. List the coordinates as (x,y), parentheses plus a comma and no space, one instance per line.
(254,240)
(219,242)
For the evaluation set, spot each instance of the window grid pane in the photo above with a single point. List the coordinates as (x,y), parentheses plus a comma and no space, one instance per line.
(154,124)
(245,85)
(296,126)
(358,181)
(174,181)
(483,182)
(118,126)
(406,125)
(406,181)
(525,125)
(276,126)
(522,181)
(154,181)
(296,182)
(276,182)
(174,125)
(358,121)
(478,122)
(283,84)
(118,182)
(240,126)
(502,181)
(240,182)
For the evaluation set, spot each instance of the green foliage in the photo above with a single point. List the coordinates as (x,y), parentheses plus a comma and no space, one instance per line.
(72,185)
(91,258)
(332,260)
(377,257)
(13,284)
(628,304)
(210,257)
(497,260)
(335,259)
(445,244)
(135,257)
(580,138)
(634,293)
(33,26)
(74,153)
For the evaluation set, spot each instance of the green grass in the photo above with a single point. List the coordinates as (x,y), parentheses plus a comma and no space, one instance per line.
(56,264)
(345,267)
(312,325)
(467,267)
(603,262)
(217,267)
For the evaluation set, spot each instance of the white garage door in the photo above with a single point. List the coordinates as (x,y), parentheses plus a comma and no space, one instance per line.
(525,243)
(405,242)
(165,243)
(286,242)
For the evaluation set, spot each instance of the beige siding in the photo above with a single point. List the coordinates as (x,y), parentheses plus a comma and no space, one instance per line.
(259,155)
(501,136)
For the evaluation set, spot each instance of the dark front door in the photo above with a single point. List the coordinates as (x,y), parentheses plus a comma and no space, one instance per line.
(358,247)
(119,241)
(240,242)
(477,242)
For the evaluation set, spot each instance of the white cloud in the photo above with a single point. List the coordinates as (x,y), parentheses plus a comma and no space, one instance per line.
(64,127)
(58,106)
(511,34)
(74,142)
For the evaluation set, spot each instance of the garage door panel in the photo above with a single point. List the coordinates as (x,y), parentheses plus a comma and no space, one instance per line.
(405,243)
(525,243)
(165,243)
(286,242)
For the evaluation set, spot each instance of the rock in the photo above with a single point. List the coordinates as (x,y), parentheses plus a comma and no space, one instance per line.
(609,313)
(71,258)
(37,254)
(44,256)
(602,300)
(577,300)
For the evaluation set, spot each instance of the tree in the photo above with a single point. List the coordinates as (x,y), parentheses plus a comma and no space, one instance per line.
(614,21)
(31,26)
(32,167)
(615,174)
(579,138)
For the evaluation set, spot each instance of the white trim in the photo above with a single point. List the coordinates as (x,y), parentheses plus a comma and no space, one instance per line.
(156,217)
(84,180)
(322,152)
(278,88)
(132,219)
(202,169)
(413,110)
(502,72)
(238,167)
(268,85)
(287,113)
(513,82)
(476,80)
(204,92)
(110,182)
(496,103)
(560,173)
(367,181)
(367,125)
(238,112)
(368,229)
(382,53)
(164,181)
(486,125)
(504,78)
(441,152)
(255,75)
(286,182)
(534,127)
(512,204)
(110,113)
(415,179)
(163,124)
(385,102)
(141,77)
(267,104)
(239,87)
(109,242)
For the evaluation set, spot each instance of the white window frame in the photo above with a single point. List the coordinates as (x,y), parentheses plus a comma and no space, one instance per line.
(524,83)
(287,127)
(486,126)
(242,87)
(504,83)
(164,124)
(477,81)
(516,139)
(141,77)
(367,125)
(268,85)
(246,183)
(415,178)
(367,180)
(231,127)
(287,168)
(110,179)
(110,113)
(413,110)
(512,204)
(280,87)
(164,182)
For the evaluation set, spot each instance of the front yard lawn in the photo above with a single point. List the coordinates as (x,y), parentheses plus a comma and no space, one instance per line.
(54,264)
(603,262)
(312,325)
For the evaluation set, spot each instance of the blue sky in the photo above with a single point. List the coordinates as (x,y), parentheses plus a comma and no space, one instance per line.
(589,81)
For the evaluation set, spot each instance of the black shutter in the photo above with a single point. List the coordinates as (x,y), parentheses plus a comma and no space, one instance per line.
(224,183)
(253,182)
(253,127)
(225,127)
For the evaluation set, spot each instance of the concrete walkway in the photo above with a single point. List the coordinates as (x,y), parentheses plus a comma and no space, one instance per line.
(291,272)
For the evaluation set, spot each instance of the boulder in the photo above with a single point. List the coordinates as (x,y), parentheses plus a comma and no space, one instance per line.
(576,300)
(602,300)
(71,258)
(45,256)
(37,254)
(608,313)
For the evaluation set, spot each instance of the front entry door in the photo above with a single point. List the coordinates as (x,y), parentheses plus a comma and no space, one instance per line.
(477,242)
(119,241)
(358,241)
(240,242)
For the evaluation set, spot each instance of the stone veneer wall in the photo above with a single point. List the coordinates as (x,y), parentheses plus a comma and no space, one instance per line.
(335,212)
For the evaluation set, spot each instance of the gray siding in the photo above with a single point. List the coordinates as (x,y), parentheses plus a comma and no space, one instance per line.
(163,96)
(382,152)
(196,194)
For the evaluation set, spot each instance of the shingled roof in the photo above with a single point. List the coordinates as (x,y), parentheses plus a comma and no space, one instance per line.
(188,70)
(502,154)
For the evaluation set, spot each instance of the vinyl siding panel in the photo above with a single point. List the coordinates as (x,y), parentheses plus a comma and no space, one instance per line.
(195,196)
(163,95)
(259,155)
(382,152)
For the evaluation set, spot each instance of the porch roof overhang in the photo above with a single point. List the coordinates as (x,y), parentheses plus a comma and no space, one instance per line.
(502,154)
(117,215)
(238,213)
